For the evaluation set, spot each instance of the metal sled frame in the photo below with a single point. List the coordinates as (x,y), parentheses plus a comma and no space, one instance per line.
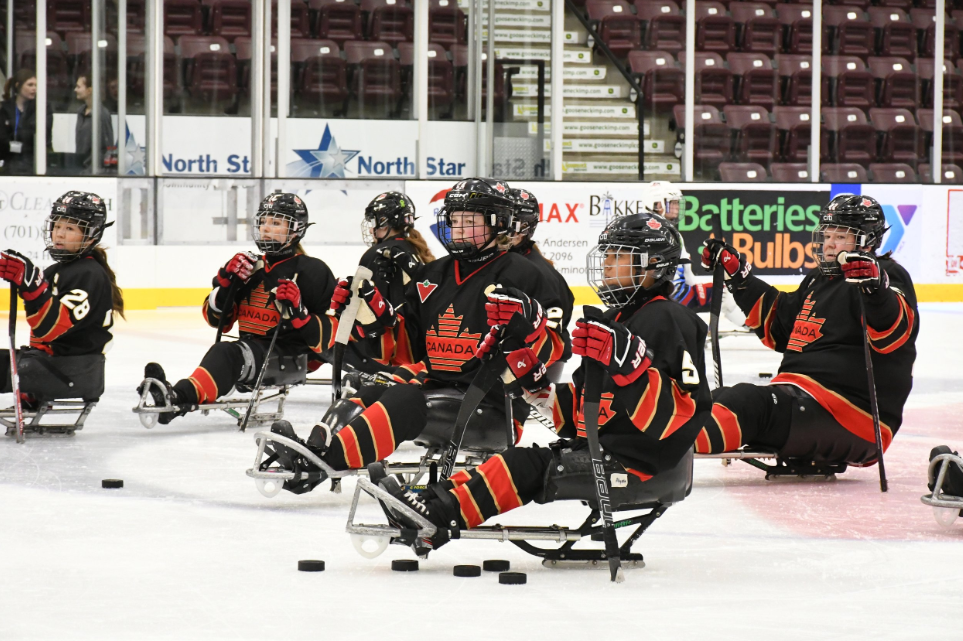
(269,480)
(565,555)
(236,407)
(781,467)
(32,418)
(946,508)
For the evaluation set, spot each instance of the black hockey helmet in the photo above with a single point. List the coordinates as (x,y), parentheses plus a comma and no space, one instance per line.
(83,209)
(486,196)
(391,210)
(861,215)
(526,211)
(643,237)
(281,206)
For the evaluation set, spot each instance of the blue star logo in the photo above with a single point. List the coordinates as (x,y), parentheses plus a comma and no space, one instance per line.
(327,161)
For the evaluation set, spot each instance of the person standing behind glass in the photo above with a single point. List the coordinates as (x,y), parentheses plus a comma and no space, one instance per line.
(18,117)
(84,133)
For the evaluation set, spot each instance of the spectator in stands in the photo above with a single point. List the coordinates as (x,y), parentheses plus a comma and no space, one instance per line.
(113,92)
(84,91)
(18,123)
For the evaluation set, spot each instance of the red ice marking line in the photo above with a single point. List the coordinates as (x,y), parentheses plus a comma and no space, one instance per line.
(852,507)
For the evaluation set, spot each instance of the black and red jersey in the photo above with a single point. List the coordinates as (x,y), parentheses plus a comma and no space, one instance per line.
(73,315)
(649,424)
(256,314)
(444,315)
(551,275)
(818,330)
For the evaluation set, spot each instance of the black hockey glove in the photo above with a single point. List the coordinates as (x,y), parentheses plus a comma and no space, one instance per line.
(862,269)
(621,353)
(715,251)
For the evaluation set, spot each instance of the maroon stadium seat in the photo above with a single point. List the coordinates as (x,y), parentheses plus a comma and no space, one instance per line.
(210,69)
(137,66)
(322,84)
(617,27)
(795,130)
(843,173)
(925,22)
(447,24)
(892,173)
(389,20)
(903,5)
(714,83)
(65,16)
(854,139)
(60,82)
(757,81)
(231,18)
(952,174)
(902,139)
(796,77)
(757,28)
(790,172)
(952,84)
(663,23)
(78,51)
(898,84)
(441,73)
(709,135)
(183,18)
(300,19)
(375,74)
(895,32)
(742,172)
(952,133)
(851,83)
(338,20)
(859,4)
(755,134)
(716,30)
(663,82)
(797,22)
(851,34)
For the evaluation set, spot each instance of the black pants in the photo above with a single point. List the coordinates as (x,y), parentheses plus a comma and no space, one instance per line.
(225,365)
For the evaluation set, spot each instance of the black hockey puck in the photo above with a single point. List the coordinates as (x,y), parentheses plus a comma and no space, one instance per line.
(112,484)
(466,570)
(496,566)
(513,578)
(310,566)
(765,374)
(404,565)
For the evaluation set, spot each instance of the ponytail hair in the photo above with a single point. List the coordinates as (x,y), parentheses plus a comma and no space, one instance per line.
(299,251)
(421,246)
(12,89)
(116,293)
(539,252)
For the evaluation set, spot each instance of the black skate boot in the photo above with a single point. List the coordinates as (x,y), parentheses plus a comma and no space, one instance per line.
(437,508)
(953,481)
(307,475)
(162,398)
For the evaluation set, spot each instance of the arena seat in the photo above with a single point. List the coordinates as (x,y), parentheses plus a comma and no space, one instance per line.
(663,25)
(893,173)
(851,34)
(715,30)
(903,5)
(441,73)
(757,83)
(375,74)
(338,20)
(388,20)
(925,22)
(322,76)
(617,27)
(230,19)
(79,52)
(843,173)
(952,133)
(136,17)
(902,140)
(951,174)
(709,135)
(663,82)
(300,19)
(897,82)
(952,84)
(794,126)
(797,22)
(795,77)
(850,81)
(183,18)
(755,134)
(137,66)
(757,29)
(67,16)
(790,172)
(447,24)
(209,67)
(854,139)
(714,83)
(60,82)
(895,32)
(742,172)
(859,4)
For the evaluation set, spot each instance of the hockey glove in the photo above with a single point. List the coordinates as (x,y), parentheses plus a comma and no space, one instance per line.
(528,373)
(382,316)
(621,353)
(287,298)
(240,266)
(861,269)
(19,270)
(715,251)
(341,297)
(504,302)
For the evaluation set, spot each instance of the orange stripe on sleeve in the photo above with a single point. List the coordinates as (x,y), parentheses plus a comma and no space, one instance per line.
(683,410)
(645,410)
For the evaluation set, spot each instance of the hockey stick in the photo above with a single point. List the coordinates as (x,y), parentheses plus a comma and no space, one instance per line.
(591,399)
(345,325)
(873,406)
(14,376)
(715,308)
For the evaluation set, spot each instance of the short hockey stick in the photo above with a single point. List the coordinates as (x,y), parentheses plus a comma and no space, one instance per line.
(591,399)
(715,307)
(345,325)
(873,405)
(14,376)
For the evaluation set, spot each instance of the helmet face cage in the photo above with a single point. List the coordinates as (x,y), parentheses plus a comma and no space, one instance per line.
(389,211)
(626,266)
(526,212)
(860,216)
(830,267)
(91,236)
(267,240)
(665,200)
(497,209)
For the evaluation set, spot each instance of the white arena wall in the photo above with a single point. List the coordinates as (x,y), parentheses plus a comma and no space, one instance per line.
(173,233)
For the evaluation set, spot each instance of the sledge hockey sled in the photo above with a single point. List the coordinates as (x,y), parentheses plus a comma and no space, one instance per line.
(574,482)
(66,389)
(779,467)
(283,373)
(485,436)
(946,507)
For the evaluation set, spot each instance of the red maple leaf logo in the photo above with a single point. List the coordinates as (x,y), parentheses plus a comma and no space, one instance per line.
(807,329)
(652,223)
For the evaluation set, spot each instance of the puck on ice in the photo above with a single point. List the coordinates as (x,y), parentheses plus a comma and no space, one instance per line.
(404,565)
(513,578)
(310,566)
(765,374)
(112,484)
(496,566)
(466,570)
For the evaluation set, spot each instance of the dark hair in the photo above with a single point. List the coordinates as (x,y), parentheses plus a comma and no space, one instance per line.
(12,89)
(87,80)
(116,293)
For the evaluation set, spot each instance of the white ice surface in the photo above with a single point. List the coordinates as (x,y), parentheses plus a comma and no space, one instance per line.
(188,549)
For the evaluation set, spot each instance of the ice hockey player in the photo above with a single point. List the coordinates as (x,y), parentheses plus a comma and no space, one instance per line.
(286,277)
(819,331)
(70,305)
(527,215)
(654,402)
(447,313)
(396,255)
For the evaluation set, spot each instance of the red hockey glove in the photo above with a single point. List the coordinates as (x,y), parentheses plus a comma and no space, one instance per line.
(529,372)
(715,251)
(504,302)
(19,270)
(621,353)
(240,266)
(342,294)
(287,297)
(861,269)
(381,310)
